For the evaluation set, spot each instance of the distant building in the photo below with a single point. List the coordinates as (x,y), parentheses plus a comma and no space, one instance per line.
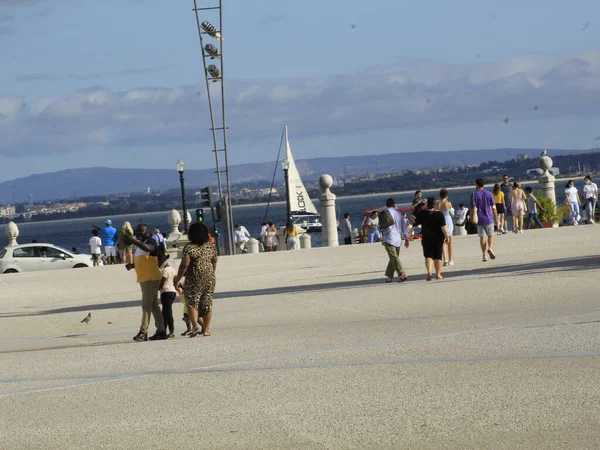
(522,157)
(7,211)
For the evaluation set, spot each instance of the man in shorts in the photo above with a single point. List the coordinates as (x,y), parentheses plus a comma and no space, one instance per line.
(487,217)
(506,188)
(109,237)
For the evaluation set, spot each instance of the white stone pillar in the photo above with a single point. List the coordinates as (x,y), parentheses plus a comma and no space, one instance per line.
(546,180)
(328,217)
(12,233)
(253,246)
(176,240)
(305,241)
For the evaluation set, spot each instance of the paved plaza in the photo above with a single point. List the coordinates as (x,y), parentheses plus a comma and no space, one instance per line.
(311,349)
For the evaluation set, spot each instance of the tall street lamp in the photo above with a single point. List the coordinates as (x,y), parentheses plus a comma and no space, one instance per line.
(285,165)
(180,168)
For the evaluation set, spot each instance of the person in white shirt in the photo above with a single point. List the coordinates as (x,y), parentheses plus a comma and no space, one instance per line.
(372,223)
(392,237)
(263,236)
(460,218)
(95,248)
(572,199)
(590,193)
(241,236)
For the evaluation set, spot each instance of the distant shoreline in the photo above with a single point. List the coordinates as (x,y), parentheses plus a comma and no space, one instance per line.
(249,205)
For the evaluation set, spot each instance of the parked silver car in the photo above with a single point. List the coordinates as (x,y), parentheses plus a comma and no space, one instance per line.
(34,257)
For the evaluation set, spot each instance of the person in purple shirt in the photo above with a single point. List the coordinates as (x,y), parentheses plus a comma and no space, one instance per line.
(487,216)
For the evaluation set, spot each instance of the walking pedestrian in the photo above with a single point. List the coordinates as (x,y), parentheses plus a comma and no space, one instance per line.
(506,189)
(590,192)
(435,233)
(347,229)
(198,265)
(486,214)
(518,207)
(532,206)
(572,196)
(392,237)
(168,292)
(499,199)
(445,206)
(147,260)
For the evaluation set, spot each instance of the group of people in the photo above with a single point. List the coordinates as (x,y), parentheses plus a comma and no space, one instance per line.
(194,282)
(573,202)
(269,237)
(109,246)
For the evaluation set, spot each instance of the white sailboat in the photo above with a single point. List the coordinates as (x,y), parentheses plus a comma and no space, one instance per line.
(301,207)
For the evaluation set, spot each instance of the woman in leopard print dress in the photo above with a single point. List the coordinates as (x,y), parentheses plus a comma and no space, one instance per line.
(198,266)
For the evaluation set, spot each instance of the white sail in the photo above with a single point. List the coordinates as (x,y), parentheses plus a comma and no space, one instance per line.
(300,202)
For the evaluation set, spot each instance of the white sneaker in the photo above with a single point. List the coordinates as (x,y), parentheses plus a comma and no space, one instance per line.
(592,222)
(521,231)
(450,263)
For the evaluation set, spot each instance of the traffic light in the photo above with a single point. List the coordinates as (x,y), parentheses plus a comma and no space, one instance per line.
(218,213)
(207,197)
(200,215)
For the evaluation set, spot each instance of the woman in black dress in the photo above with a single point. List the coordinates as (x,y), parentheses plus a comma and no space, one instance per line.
(434,234)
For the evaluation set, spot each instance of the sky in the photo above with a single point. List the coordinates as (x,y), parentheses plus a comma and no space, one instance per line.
(120,83)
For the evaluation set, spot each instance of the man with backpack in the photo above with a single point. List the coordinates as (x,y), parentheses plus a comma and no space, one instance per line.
(393,230)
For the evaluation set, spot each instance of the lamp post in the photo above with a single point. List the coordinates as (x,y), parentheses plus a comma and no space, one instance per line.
(285,165)
(180,168)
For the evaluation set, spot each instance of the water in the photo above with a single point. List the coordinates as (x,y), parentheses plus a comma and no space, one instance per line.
(76,232)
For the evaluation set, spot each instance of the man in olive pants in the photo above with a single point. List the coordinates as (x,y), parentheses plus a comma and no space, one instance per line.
(146,265)
(392,241)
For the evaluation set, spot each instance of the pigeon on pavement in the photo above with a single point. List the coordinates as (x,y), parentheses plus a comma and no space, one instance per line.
(87,318)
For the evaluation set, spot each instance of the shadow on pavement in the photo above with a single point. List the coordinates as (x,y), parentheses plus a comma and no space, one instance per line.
(556,265)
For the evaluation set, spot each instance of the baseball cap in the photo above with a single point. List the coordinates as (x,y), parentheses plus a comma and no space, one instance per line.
(108,222)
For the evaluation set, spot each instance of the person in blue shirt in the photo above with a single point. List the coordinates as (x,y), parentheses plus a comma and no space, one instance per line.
(109,239)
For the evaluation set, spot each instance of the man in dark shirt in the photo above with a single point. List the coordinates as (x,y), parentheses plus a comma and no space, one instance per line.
(506,188)
(434,233)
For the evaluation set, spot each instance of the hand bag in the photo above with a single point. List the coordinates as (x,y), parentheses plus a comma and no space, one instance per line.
(474,216)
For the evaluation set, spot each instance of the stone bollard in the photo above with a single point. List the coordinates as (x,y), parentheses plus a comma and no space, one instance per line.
(460,231)
(328,218)
(12,233)
(546,180)
(305,241)
(252,246)
(176,240)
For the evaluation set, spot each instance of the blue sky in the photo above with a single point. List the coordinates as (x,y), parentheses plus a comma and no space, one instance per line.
(119,83)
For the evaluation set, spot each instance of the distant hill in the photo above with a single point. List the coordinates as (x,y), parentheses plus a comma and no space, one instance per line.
(104,181)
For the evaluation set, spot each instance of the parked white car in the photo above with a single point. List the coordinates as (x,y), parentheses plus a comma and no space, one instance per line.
(34,257)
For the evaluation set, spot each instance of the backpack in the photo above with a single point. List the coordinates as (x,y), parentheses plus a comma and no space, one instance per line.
(385,219)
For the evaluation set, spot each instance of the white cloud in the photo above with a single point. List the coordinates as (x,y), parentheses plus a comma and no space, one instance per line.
(415,93)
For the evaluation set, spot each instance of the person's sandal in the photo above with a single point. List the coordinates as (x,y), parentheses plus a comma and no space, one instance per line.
(428,277)
(402,278)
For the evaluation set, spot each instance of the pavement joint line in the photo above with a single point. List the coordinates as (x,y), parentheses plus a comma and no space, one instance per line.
(332,364)
(116,377)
